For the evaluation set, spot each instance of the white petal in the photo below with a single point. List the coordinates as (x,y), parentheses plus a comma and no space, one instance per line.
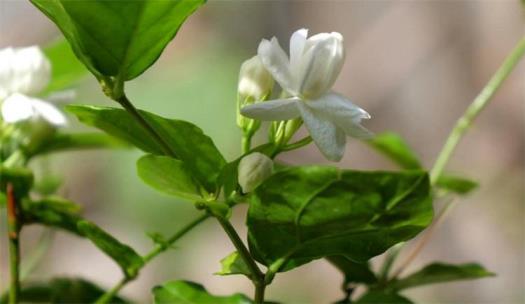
(342,112)
(297,44)
(18,107)
(279,109)
(321,64)
(6,72)
(327,136)
(276,62)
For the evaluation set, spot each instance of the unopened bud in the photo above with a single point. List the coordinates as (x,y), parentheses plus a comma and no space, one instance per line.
(255,81)
(253,170)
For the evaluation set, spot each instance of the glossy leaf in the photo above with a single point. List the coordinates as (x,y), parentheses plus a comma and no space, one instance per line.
(352,271)
(396,149)
(441,273)
(382,297)
(62,290)
(189,143)
(456,184)
(125,256)
(305,213)
(184,292)
(118,38)
(67,69)
(80,141)
(168,175)
(234,264)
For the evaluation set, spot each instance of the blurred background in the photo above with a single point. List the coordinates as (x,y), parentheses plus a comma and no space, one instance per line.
(415,66)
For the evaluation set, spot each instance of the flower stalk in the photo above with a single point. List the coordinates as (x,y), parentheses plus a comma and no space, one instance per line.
(13,229)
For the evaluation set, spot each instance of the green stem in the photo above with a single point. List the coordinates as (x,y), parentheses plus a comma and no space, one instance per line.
(298,144)
(475,108)
(128,106)
(257,275)
(246,142)
(158,249)
(13,230)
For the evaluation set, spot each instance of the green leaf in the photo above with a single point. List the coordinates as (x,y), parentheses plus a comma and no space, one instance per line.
(54,212)
(396,149)
(168,175)
(234,264)
(66,69)
(382,297)
(61,290)
(190,144)
(353,272)
(456,184)
(21,178)
(184,292)
(441,273)
(80,141)
(125,256)
(118,38)
(305,213)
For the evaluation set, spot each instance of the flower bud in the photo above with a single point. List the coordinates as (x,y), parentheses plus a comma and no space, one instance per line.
(253,170)
(255,82)
(23,70)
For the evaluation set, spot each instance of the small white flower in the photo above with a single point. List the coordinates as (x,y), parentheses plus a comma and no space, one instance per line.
(23,70)
(254,80)
(18,107)
(308,76)
(26,72)
(253,169)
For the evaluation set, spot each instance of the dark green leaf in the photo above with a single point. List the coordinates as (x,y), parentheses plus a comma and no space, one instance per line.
(456,184)
(189,143)
(305,213)
(234,264)
(382,297)
(62,290)
(440,273)
(396,149)
(21,179)
(54,212)
(168,175)
(125,256)
(184,292)
(118,38)
(67,70)
(353,272)
(80,141)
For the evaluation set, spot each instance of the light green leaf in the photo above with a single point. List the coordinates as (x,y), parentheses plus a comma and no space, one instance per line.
(396,149)
(118,38)
(125,256)
(441,273)
(80,141)
(456,184)
(168,175)
(184,292)
(305,213)
(66,68)
(61,290)
(234,264)
(189,143)
(382,297)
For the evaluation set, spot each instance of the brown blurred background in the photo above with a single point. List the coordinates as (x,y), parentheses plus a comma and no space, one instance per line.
(415,66)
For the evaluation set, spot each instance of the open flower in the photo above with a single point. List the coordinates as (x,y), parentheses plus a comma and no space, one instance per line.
(307,77)
(25,72)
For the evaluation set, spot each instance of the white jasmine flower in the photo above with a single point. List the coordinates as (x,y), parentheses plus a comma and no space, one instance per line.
(18,107)
(253,169)
(308,76)
(254,80)
(25,72)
